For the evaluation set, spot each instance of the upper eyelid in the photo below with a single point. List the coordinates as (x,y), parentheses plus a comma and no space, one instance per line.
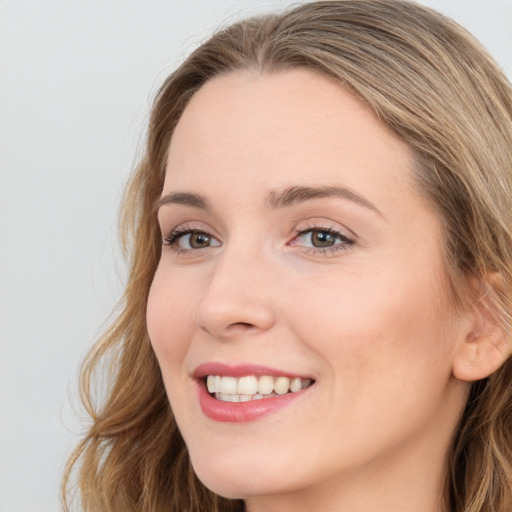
(343,245)
(324,227)
(331,231)
(336,227)
(180,231)
(346,239)
(193,225)
(307,225)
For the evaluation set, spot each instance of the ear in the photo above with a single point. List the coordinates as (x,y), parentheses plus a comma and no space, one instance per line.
(485,345)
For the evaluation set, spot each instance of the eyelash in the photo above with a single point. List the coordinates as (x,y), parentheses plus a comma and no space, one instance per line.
(345,243)
(180,232)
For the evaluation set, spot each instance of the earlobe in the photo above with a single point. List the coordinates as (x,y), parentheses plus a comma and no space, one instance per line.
(485,346)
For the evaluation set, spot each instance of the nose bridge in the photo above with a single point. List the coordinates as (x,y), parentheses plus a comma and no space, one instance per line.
(236,296)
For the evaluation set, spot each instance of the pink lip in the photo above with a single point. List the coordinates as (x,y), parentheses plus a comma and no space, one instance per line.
(240,412)
(240,370)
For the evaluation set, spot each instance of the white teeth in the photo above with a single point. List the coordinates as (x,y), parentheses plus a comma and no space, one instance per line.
(227,397)
(210,384)
(265,385)
(281,385)
(228,385)
(250,387)
(247,385)
(296,385)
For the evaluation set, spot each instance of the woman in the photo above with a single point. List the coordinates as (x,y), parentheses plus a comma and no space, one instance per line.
(318,310)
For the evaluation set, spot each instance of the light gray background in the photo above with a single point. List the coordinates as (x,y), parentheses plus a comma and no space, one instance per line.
(76,79)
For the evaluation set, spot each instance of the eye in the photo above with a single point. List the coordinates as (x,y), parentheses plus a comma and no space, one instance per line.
(322,239)
(189,239)
(319,238)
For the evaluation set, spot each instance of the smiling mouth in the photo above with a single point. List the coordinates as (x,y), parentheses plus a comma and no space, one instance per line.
(251,387)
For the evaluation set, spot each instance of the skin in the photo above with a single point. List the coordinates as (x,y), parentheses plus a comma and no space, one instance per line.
(370,320)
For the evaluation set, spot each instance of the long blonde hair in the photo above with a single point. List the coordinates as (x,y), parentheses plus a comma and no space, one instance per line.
(438,90)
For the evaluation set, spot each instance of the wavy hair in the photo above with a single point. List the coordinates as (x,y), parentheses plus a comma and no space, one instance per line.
(439,91)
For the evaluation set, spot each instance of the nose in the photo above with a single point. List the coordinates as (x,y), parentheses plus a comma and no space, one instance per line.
(237,298)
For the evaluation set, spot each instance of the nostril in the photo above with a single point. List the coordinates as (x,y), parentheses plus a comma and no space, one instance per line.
(238,328)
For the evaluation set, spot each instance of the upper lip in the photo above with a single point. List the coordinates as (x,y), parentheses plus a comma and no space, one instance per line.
(241,370)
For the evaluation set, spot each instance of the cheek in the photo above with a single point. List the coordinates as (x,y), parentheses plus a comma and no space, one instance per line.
(388,331)
(387,354)
(169,318)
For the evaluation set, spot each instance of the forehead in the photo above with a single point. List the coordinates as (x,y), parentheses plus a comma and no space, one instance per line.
(280,128)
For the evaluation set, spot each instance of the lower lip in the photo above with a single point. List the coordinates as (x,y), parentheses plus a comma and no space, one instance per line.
(241,412)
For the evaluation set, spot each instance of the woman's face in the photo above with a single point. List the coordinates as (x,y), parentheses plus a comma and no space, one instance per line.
(295,247)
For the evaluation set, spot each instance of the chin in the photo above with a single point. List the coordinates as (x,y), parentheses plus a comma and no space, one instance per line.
(231,486)
(238,479)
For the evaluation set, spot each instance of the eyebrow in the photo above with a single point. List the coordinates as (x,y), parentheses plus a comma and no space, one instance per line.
(276,199)
(300,194)
(183,198)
